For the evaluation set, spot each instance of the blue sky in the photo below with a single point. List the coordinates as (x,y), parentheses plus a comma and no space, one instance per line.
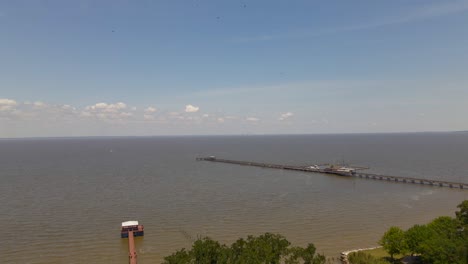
(98,68)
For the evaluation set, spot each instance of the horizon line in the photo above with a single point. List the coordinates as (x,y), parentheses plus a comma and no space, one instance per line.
(231,135)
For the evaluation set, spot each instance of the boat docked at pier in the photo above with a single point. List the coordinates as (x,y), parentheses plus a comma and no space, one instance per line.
(343,170)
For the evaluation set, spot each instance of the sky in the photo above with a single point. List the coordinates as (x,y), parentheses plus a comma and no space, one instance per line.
(195,67)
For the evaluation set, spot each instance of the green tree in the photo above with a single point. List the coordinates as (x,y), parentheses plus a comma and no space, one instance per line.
(445,226)
(180,256)
(462,214)
(415,236)
(442,250)
(265,249)
(294,255)
(442,241)
(305,255)
(309,256)
(393,241)
(209,251)
(462,217)
(445,244)
(205,250)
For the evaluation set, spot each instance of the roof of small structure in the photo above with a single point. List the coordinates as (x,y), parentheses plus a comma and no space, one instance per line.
(129,223)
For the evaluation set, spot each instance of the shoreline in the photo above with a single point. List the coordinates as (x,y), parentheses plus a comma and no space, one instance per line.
(344,255)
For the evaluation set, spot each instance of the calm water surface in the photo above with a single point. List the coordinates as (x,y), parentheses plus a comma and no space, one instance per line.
(62,200)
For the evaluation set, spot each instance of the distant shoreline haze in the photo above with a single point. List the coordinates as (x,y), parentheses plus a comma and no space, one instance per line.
(234,135)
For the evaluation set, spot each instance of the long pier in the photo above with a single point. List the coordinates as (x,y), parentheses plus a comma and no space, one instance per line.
(362,175)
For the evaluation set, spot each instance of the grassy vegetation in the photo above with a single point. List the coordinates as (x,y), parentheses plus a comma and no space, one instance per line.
(373,256)
(380,253)
(362,257)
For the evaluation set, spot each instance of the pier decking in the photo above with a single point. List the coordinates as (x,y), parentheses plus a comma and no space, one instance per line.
(132,255)
(362,175)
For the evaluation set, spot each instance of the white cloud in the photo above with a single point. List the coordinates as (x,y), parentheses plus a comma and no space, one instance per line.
(125,114)
(231,117)
(148,117)
(68,107)
(252,119)
(151,110)
(108,108)
(107,112)
(285,116)
(191,109)
(86,114)
(39,104)
(149,113)
(38,111)
(7,104)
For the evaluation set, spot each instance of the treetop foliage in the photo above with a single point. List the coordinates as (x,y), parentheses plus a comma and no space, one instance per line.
(267,248)
(443,241)
(393,241)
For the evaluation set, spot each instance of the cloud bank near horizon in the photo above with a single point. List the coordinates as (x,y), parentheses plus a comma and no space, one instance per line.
(38,118)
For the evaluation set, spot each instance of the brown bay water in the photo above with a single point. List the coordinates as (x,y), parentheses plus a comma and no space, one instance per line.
(62,200)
